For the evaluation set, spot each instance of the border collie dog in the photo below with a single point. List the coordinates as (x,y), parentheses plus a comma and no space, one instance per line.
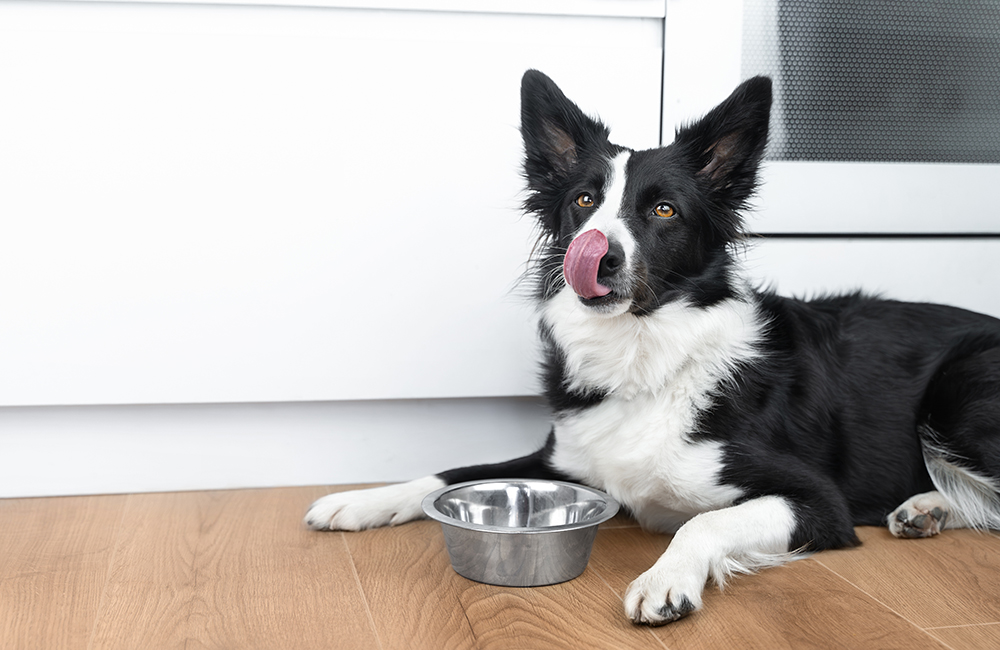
(752,426)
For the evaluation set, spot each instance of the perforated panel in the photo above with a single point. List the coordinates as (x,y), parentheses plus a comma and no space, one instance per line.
(879,80)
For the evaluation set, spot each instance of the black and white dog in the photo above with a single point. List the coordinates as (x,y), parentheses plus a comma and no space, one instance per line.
(753,426)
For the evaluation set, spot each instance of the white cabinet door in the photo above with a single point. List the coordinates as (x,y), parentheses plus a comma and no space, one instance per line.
(960,272)
(205,203)
(896,198)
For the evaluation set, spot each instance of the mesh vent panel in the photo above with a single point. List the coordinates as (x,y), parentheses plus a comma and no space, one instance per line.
(879,80)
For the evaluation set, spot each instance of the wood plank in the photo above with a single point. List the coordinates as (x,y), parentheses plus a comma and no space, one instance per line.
(230,569)
(236,569)
(969,637)
(413,593)
(620,520)
(150,587)
(265,581)
(54,558)
(621,554)
(445,610)
(949,579)
(581,613)
(800,605)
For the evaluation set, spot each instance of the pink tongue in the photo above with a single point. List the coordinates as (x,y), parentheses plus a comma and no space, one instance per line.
(583,257)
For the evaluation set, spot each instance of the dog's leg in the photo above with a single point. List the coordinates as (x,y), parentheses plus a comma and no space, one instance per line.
(764,530)
(382,506)
(739,539)
(960,436)
(397,504)
(924,515)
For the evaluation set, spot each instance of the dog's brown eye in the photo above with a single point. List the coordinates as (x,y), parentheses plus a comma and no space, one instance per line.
(664,210)
(585,200)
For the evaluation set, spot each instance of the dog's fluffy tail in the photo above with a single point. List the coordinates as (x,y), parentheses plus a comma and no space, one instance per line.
(975,498)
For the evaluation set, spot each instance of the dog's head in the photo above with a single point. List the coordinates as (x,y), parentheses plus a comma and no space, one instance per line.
(629,231)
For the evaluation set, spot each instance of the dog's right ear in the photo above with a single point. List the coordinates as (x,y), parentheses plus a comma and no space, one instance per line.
(555,131)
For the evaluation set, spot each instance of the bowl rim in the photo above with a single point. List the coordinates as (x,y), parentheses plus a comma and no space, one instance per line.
(611,508)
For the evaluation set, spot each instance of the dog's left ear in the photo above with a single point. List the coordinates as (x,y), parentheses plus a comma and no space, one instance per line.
(726,146)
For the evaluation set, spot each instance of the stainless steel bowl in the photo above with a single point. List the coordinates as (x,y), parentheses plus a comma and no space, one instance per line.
(519,533)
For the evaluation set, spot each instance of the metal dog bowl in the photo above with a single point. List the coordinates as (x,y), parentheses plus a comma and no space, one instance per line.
(519,533)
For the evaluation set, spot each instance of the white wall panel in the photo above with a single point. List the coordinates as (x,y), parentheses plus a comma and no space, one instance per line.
(109,449)
(960,272)
(632,8)
(224,204)
(701,63)
(100,449)
(900,198)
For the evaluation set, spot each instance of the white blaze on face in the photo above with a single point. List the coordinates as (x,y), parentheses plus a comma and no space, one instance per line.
(607,217)
(583,258)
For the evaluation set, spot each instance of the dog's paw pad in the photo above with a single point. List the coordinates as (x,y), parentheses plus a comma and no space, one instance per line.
(664,594)
(914,520)
(656,612)
(671,612)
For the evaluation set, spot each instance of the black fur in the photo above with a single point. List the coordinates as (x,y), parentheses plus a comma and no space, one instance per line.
(533,466)
(834,412)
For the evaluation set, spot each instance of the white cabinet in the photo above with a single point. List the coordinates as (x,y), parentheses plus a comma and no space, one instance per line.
(272,201)
(231,203)
(960,272)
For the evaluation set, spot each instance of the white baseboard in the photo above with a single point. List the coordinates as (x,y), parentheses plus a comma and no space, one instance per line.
(72,450)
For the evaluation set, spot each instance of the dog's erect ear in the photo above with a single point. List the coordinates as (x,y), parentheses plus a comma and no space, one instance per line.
(726,146)
(555,131)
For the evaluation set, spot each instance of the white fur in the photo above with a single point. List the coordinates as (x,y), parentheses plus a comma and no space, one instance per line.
(382,506)
(625,355)
(900,520)
(974,499)
(739,539)
(605,218)
(637,450)
(658,372)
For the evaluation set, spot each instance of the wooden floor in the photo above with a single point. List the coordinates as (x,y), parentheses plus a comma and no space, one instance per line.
(236,569)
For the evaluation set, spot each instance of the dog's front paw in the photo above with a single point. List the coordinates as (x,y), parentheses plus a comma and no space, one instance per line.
(665,593)
(381,506)
(923,515)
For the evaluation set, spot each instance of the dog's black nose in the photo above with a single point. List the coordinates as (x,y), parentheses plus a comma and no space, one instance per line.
(612,261)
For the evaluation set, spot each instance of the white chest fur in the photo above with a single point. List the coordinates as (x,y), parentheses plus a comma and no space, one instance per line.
(638,450)
(658,372)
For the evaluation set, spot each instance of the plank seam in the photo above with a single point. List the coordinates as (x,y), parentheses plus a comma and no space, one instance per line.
(361,589)
(621,598)
(950,627)
(883,605)
(107,573)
